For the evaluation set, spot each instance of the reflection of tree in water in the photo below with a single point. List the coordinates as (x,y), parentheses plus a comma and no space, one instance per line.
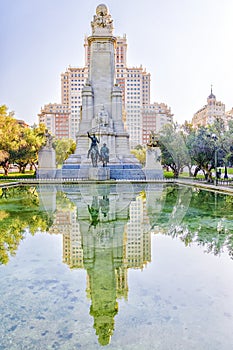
(19,210)
(208,220)
(4,192)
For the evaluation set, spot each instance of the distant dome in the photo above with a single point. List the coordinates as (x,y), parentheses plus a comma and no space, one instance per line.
(102,10)
(211,94)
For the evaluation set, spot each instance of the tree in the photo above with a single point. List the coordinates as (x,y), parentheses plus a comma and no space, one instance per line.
(64,148)
(30,142)
(202,148)
(140,153)
(19,144)
(9,137)
(224,137)
(173,148)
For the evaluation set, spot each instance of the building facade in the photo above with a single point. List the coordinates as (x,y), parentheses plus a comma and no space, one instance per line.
(154,117)
(208,113)
(57,118)
(72,82)
(229,116)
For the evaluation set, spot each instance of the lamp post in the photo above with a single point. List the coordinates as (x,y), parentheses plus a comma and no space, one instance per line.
(214,137)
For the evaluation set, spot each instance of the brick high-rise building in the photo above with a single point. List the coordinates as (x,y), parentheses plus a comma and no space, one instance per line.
(154,116)
(56,117)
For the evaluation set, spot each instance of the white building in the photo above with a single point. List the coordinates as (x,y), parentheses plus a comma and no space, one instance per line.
(208,113)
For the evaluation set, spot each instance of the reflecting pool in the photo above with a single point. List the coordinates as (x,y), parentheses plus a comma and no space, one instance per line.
(116,267)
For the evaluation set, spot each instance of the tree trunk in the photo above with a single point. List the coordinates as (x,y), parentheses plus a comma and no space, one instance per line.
(6,169)
(190,170)
(6,166)
(175,172)
(209,177)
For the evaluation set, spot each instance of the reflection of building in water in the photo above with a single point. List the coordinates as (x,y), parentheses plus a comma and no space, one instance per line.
(138,247)
(106,231)
(66,223)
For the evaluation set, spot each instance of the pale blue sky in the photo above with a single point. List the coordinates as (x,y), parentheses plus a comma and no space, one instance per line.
(186,45)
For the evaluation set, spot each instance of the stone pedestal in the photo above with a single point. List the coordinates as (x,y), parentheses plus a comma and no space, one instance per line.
(102,173)
(153,168)
(46,163)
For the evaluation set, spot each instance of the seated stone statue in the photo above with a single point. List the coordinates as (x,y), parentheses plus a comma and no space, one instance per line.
(102,118)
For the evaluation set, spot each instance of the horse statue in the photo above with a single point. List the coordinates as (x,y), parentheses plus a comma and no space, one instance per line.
(94,157)
(93,151)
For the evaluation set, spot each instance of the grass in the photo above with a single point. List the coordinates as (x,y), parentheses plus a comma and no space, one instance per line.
(168,174)
(17,175)
(229,170)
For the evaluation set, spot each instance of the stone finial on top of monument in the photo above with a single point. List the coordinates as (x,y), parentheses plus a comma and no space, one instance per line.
(102,23)
(47,158)
(153,167)
(49,140)
(153,140)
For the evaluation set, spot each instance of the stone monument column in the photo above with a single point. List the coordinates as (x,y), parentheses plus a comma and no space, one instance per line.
(102,108)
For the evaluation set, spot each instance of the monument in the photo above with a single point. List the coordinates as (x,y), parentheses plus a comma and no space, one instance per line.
(153,168)
(47,159)
(101,113)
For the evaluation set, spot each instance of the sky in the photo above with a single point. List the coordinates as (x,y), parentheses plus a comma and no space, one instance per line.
(186,45)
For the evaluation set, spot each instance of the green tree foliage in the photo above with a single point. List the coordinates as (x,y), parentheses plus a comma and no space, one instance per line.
(64,148)
(31,140)
(173,148)
(140,153)
(9,137)
(224,140)
(202,148)
(19,144)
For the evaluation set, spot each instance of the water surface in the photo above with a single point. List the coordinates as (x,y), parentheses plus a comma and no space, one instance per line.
(118,267)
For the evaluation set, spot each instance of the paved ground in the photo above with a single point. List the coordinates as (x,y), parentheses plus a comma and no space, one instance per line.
(205,185)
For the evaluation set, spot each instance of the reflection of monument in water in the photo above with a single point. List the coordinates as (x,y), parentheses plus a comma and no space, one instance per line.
(102,110)
(106,231)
